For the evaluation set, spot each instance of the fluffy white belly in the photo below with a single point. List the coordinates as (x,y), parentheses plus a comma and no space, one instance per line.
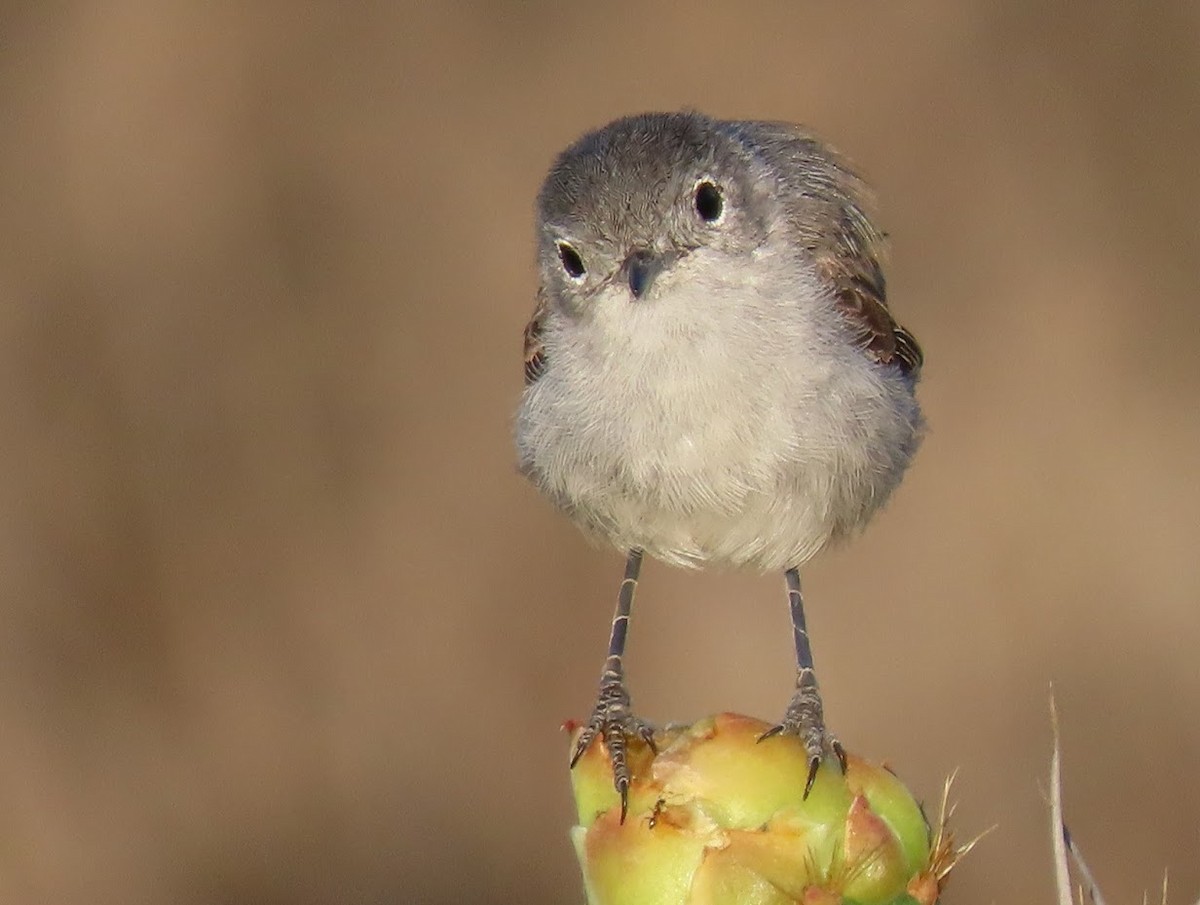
(710,469)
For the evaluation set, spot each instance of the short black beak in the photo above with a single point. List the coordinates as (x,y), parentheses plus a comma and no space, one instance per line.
(641,267)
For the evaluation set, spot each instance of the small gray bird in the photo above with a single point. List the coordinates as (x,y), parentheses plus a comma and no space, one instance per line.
(712,373)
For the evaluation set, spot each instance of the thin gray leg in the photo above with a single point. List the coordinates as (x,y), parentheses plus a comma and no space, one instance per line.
(612,718)
(805,715)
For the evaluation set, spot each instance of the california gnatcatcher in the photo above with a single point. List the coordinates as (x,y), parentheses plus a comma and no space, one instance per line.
(712,372)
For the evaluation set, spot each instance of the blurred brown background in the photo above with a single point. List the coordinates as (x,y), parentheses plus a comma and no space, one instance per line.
(280,624)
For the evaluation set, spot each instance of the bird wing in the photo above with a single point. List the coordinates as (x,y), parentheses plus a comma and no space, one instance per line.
(860,294)
(535,348)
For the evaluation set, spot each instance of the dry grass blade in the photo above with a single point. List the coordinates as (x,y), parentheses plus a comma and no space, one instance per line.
(1058,828)
(1066,851)
(1064,846)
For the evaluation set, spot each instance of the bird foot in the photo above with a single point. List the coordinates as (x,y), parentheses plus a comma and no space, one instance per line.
(805,719)
(613,721)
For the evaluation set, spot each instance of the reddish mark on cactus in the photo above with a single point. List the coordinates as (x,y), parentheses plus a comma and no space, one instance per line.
(818,895)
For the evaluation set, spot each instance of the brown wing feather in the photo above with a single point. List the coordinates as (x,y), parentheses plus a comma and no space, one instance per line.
(535,349)
(861,296)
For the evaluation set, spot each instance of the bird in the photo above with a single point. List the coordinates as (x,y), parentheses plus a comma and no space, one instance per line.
(713,376)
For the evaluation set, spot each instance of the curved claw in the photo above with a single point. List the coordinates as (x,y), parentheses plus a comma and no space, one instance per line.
(814,764)
(582,743)
(840,753)
(770,733)
(622,786)
(646,734)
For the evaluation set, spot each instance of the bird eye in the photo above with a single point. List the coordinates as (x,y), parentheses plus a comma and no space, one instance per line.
(571,262)
(709,203)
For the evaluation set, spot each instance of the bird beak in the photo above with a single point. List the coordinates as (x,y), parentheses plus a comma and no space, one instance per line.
(641,267)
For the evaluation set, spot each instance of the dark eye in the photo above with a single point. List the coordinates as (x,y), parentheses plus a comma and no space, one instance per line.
(709,203)
(571,262)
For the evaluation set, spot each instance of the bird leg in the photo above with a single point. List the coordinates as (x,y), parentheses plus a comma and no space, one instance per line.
(612,719)
(805,715)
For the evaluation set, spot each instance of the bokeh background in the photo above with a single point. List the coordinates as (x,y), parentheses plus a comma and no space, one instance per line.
(279,623)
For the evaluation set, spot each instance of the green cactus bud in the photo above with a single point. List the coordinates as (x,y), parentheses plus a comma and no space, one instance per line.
(718,818)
